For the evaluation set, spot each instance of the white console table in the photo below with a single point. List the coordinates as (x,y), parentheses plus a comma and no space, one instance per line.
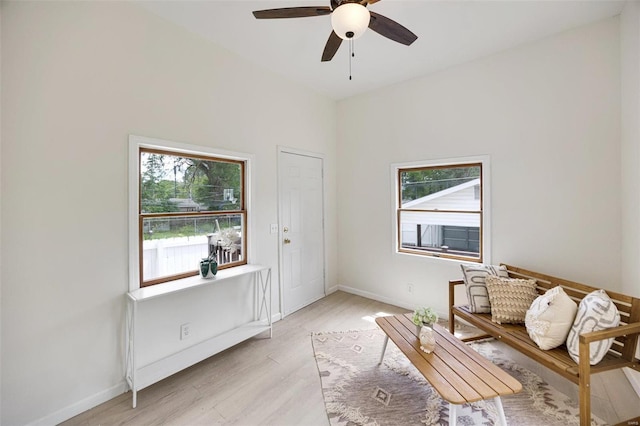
(139,377)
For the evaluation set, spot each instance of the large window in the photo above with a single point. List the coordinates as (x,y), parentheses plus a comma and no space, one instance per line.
(191,206)
(440,210)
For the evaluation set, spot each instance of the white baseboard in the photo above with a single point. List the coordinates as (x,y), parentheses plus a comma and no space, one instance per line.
(377,297)
(80,406)
(634,378)
(332,289)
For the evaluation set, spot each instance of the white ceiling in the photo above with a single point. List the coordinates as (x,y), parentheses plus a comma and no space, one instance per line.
(449,32)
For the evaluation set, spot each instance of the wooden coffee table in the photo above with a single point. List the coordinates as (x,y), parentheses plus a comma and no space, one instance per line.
(458,373)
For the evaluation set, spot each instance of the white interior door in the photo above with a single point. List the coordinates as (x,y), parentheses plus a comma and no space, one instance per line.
(301,230)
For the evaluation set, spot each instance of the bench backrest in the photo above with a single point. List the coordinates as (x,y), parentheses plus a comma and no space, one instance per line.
(629,307)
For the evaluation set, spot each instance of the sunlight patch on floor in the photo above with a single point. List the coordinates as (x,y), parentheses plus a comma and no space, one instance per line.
(372,318)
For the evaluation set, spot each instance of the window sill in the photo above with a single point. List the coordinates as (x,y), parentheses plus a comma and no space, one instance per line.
(440,259)
(158,290)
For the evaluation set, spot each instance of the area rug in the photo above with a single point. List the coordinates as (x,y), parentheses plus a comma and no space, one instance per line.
(359,391)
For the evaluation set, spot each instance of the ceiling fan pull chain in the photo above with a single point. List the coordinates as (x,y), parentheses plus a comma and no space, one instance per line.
(351,55)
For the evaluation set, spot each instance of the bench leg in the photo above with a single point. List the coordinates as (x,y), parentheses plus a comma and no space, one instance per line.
(501,417)
(584,382)
(384,348)
(453,416)
(584,387)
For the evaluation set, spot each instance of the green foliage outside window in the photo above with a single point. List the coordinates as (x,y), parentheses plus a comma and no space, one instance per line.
(174,184)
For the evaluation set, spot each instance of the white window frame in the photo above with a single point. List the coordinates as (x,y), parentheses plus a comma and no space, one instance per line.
(137,142)
(485,237)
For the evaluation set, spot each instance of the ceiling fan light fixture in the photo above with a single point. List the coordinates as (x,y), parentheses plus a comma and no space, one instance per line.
(350,20)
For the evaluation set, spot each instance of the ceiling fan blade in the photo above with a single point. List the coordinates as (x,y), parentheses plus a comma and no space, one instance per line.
(366,2)
(391,29)
(331,47)
(292,12)
(334,4)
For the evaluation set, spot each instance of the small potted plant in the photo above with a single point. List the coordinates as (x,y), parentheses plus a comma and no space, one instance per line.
(424,316)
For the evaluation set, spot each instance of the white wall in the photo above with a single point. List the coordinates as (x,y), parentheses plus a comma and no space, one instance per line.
(630,146)
(547,113)
(77,78)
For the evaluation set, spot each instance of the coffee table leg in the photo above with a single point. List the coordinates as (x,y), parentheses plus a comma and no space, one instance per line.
(453,416)
(384,348)
(498,402)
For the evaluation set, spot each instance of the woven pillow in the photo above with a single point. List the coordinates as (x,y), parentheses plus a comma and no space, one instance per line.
(474,283)
(550,318)
(510,298)
(596,312)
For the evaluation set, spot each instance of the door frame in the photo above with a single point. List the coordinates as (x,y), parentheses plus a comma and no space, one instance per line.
(287,150)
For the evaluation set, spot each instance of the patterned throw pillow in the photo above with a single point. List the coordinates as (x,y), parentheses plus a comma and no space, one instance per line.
(510,298)
(550,318)
(596,312)
(474,283)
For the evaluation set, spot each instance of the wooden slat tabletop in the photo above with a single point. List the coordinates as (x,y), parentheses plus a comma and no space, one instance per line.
(458,373)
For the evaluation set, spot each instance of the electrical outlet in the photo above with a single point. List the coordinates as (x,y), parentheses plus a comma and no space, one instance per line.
(409,288)
(274,228)
(185,331)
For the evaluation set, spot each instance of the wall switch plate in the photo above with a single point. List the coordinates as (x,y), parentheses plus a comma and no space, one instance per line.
(274,228)
(185,331)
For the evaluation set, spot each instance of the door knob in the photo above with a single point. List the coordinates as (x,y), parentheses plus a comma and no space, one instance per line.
(285,229)
(287,241)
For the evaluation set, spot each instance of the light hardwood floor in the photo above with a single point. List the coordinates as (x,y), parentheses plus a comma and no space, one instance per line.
(273,381)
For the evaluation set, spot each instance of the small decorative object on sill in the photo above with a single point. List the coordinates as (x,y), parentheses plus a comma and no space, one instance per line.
(424,318)
(208,267)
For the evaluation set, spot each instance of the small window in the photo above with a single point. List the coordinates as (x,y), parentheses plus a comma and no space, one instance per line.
(190,207)
(440,210)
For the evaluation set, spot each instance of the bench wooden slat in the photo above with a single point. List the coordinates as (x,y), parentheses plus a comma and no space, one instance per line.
(554,281)
(544,357)
(434,377)
(439,362)
(471,366)
(457,373)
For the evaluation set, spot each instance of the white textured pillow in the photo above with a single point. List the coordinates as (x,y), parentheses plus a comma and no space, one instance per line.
(474,282)
(550,318)
(596,312)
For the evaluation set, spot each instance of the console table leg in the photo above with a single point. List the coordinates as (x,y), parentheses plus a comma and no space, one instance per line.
(384,348)
(453,416)
(502,418)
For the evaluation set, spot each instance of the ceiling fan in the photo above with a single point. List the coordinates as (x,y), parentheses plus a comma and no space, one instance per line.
(349,19)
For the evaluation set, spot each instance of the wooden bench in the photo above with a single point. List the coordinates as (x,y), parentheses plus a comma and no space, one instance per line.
(621,354)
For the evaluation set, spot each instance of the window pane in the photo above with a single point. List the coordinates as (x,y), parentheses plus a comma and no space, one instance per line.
(453,233)
(172,183)
(176,245)
(442,188)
